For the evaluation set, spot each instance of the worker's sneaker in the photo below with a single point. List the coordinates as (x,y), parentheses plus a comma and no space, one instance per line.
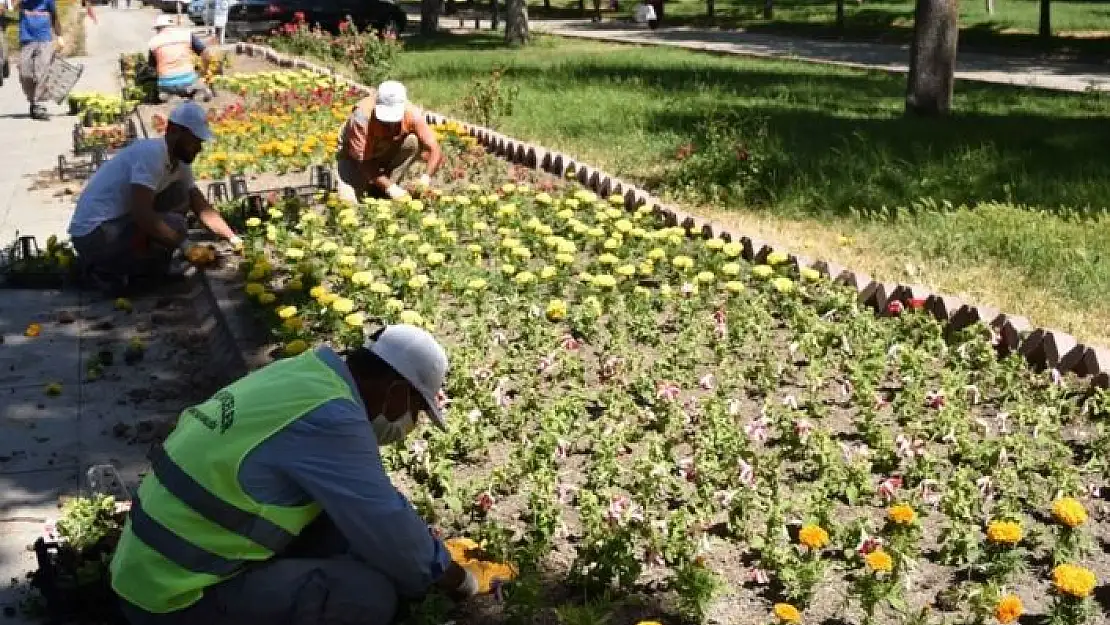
(5,69)
(39,112)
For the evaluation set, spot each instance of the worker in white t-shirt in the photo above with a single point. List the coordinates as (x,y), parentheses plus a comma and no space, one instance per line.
(131,217)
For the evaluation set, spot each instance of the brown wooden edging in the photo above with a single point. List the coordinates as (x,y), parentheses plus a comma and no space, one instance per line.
(1042,348)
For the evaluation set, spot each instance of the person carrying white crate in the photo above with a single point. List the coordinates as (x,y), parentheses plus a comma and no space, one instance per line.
(40,36)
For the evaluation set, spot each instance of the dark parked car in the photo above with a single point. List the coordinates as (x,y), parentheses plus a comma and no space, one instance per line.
(262,16)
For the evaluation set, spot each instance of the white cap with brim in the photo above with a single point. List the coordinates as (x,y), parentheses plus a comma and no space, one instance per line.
(419,358)
(389,105)
(164,21)
(192,116)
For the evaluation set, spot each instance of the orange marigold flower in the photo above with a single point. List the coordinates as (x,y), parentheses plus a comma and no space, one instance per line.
(1004,532)
(1073,580)
(813,536)
(1069,512)
(1009,609)
(33,330)
(879,561)
(902,514)
(787,613)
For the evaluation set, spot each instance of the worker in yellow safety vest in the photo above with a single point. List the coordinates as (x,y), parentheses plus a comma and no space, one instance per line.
(171,55)
(269,503)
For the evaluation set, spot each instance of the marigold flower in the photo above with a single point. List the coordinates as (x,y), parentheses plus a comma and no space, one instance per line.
(253,222)
(809,274)
(762,271)
(1073,580)
(787,613)
(556,310)
(343,305)
(730,269)
(266,299)
(879,561)
(411,317)
(734,286)
(33,330)
(1004,532)
(1009,609)
(294,347)
(286,312)
(783,284)
(901,514)
(776,258)
(1069,512)
(355,320)
(813,536)
(54,389)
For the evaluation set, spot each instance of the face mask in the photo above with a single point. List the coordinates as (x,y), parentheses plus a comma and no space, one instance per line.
(392,432)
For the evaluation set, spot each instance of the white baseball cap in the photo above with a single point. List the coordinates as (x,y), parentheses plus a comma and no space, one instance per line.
(418,357)
(192,116)
(389,106)
(164,21)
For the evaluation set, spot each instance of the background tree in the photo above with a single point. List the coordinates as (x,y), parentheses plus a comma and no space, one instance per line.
(516,22)
(933,57)
(429,16)
(1046,19)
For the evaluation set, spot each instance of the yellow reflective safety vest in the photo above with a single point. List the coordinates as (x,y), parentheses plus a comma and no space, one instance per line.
(191,524)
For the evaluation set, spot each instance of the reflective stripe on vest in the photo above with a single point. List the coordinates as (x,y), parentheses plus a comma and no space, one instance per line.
(173,52)
(192,525)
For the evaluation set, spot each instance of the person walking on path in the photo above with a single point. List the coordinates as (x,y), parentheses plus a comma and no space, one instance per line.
(269,503)
(131,217)
(5,67)
(40,35)
(378,143)
(171,55)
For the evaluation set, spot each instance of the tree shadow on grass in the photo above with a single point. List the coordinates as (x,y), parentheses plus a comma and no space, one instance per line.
(448,41)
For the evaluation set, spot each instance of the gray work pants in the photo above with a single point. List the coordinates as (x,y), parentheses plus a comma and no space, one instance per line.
(353,186)
(315,582)
(34,62)
(119,247)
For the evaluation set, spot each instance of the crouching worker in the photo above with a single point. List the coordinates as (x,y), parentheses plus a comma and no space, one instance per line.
(378,143)
(269,502)
(131,217)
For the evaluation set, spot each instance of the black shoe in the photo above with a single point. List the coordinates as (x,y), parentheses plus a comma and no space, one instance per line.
(39,112)
(5,70)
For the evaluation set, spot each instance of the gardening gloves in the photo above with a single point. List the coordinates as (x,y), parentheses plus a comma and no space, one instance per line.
(482,575)
(396,192)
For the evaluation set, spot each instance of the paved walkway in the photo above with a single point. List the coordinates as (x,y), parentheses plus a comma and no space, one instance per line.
(46,442)
(992,68)
(29,147)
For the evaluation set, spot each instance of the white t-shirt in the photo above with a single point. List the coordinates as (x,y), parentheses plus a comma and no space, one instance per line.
(107,196)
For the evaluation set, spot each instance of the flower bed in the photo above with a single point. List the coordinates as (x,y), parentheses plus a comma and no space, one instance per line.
(648,421)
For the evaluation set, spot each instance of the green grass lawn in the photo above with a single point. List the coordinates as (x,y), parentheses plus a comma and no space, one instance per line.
(806,153)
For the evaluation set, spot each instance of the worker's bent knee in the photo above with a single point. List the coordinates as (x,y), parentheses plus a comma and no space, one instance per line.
(177,222)
(342,592)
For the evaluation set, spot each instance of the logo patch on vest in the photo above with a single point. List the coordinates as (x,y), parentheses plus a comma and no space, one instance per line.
(226,402)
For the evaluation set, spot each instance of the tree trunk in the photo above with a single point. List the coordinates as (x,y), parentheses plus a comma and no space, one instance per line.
(1046,19)
(516,22)
(429,16)
(840,19)
(709,8)
(494,17)
(990,7)
(768,9)
(546,5)
(933,58)
(451,7)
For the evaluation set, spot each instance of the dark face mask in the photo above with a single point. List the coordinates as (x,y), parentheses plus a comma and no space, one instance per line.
(184,147)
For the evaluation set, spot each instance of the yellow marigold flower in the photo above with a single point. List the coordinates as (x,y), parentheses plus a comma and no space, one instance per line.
(294,285)
(649,623)
(776,258)
(879,561)
(564,259)
(734,286)
(1004,532)
(730,269)
(411,317)
(608,259)
(343,305)
(266,299)
(556,310)
(809,274)
(813,536)
(394,305)
(626,270)
(54,389)
(380,288)
(253,222)
(524,277)
(681,262)
(293,323)
(787,613)
(316,291)
(543,198)
(294,347)
(435,258)
(1069,512)
(616,199)
(732,250)
(418,281)
(1009,609)
(548,272)
(286,312)
(362,278)
(783,284)
(1073,580)
(714,244)
(475,249)
(657,253)
(705,277)
(611,244)
(762,271)
(477,284)
(355,320)
(508,269)
(603,281)
(902,514)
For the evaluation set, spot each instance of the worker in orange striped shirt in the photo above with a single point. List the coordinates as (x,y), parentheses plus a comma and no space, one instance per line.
(379,143)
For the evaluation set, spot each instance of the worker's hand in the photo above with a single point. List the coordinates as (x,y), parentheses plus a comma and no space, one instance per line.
(396,192)
(424,181)
(485,574)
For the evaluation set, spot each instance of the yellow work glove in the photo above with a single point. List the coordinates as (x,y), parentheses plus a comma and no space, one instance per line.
(467,553)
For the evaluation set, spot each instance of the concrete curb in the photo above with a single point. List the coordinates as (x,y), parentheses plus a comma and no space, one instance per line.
(1042,348)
